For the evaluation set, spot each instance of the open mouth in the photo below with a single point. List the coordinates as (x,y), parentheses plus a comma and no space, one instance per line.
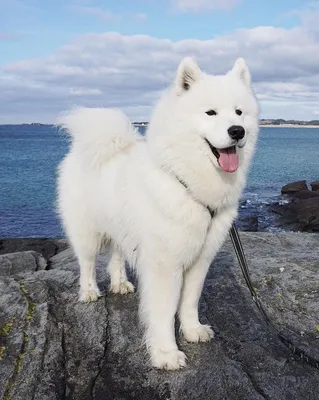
(227,158)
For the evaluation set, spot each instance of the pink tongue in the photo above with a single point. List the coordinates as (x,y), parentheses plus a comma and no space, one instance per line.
(228,159)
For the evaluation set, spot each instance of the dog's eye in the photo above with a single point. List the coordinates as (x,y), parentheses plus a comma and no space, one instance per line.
(211,112)
(239,112)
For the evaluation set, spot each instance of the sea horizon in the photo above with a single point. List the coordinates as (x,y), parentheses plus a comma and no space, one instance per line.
(146,123)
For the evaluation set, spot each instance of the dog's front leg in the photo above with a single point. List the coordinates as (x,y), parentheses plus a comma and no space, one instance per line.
(194,278)
(191,328)
(160,283)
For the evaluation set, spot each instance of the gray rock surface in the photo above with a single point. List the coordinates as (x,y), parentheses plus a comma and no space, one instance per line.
(52,347)
(24,261)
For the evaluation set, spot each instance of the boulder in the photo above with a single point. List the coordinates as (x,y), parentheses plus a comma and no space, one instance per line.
(248,224)
(46,246)
(24,261)
(306,194)
(307,212)
(278,208)
(294,187)
(52,347)
(301,214)
(315,186)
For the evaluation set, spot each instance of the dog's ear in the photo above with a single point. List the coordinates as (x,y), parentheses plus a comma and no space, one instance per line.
(241,70)
(188,73)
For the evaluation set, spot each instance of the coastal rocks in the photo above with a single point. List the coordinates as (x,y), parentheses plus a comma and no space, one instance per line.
(294,187)
(52,347)
(248,224)
(315,186)
(306,194)
(298,215)
(47,247)
(25,261)
(300,211)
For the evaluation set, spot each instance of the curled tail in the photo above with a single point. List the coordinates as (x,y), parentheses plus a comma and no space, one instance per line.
(99,133)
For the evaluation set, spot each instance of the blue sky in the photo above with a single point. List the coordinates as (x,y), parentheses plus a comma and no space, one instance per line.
(42,26)
(39,76)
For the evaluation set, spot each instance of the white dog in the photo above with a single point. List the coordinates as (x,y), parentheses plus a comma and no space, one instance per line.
(165,202)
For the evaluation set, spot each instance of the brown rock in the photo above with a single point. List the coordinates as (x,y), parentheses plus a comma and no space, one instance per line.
(299,215)
(307,212)
(315,186)
(294,187)
(306,194)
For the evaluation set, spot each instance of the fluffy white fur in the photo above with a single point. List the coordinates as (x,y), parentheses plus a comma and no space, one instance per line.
(115,186)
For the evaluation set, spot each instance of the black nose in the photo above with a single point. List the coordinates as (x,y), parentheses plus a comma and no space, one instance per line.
(236,132)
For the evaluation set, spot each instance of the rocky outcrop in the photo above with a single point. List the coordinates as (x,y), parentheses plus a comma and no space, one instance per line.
(294,187)
(306,194)
(300,211)
(315,186)
(52,347)
(24,261)
(45,246)
(248,224)
(298,215)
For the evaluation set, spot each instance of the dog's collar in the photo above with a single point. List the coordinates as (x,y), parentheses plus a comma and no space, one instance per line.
(212,212)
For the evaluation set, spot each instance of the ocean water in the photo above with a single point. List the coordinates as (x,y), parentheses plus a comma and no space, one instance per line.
(30,155)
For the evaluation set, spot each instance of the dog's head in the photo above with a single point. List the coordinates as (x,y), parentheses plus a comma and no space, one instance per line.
(222,110)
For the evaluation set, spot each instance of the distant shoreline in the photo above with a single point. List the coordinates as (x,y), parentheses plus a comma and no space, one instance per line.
(145,125)
(288,126)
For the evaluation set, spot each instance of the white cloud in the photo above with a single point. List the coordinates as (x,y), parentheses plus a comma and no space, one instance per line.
(203,5)
(85,92)
(140,16)
(129,72)
(104,15)
(7,36)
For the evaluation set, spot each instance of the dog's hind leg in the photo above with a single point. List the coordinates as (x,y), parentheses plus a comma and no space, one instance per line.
(117,273)
(86,248)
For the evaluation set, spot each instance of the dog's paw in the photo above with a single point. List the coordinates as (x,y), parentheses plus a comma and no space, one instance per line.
(201,333)
(124,287)
(169,360)
(87,296)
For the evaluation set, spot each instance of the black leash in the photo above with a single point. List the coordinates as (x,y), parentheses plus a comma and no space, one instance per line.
(244,268)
